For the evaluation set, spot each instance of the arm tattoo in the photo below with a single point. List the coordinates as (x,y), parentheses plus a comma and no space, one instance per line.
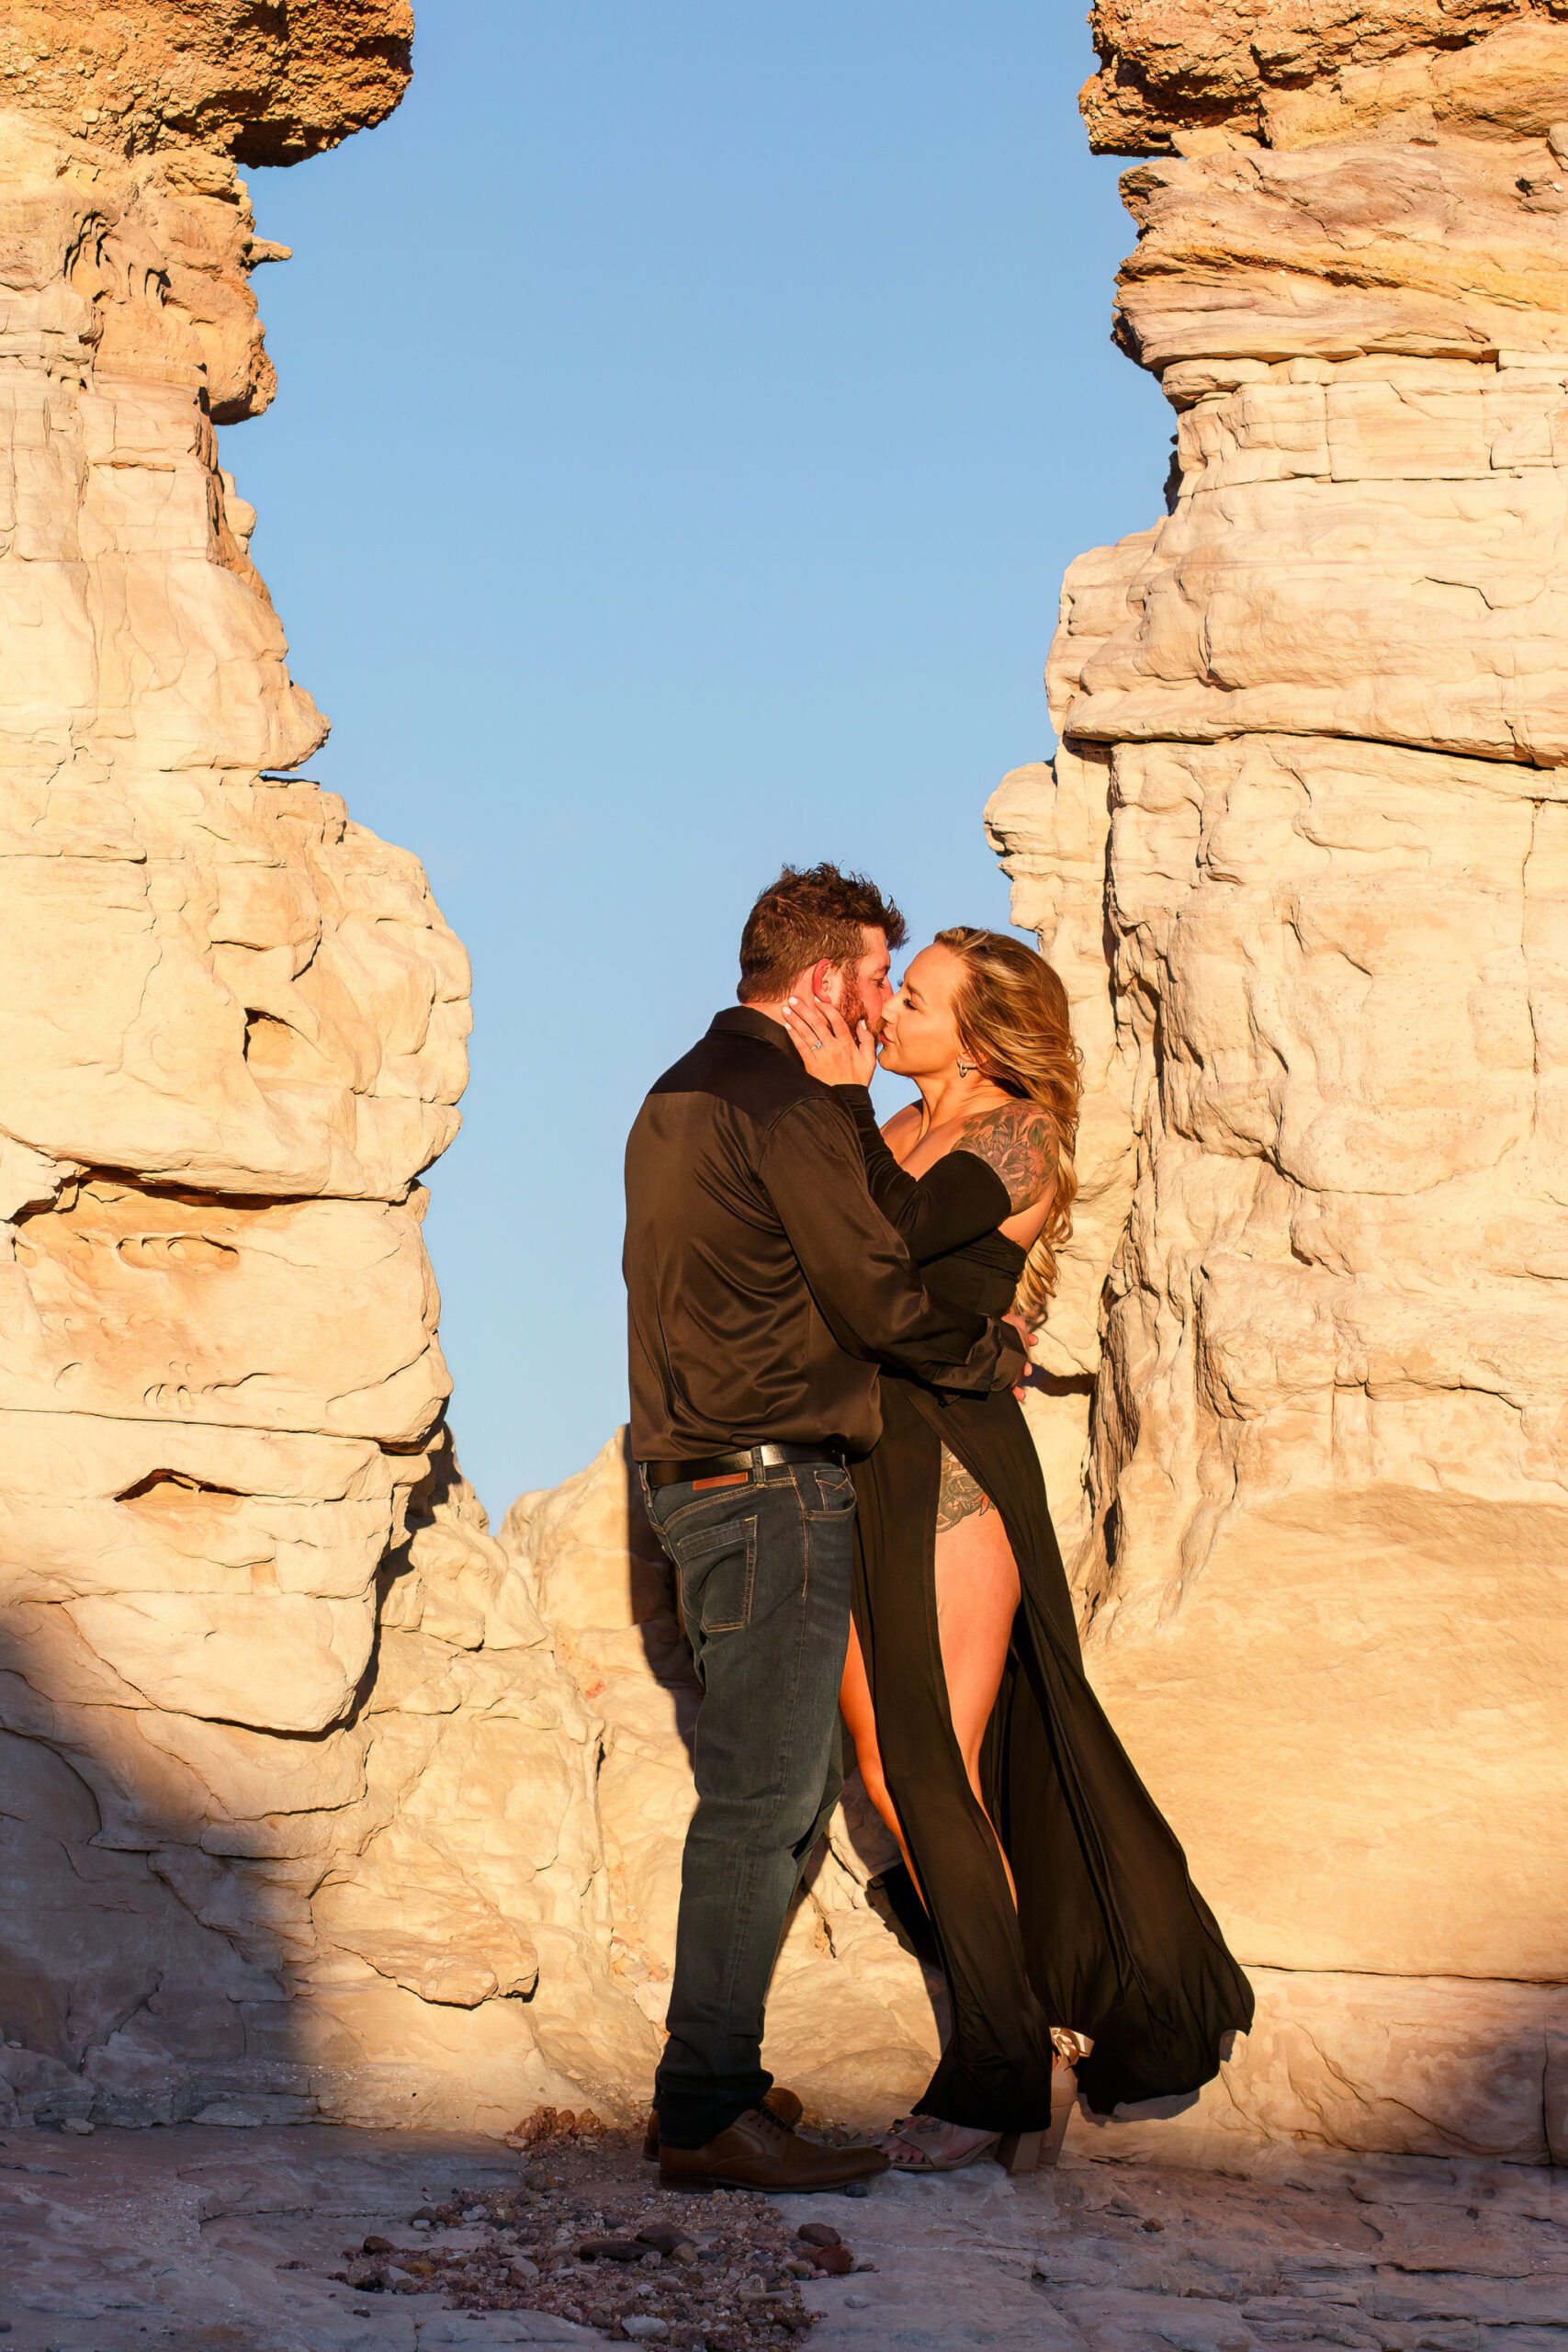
(959,1496)
(1016,1141)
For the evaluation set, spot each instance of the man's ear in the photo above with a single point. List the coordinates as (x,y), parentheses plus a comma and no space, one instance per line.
(828,980)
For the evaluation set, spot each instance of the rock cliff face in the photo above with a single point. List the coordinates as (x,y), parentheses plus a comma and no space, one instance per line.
(295,1803)
(1304,857)
(266,82)
(1179,74)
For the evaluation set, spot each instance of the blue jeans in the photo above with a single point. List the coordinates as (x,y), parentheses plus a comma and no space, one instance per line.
(764,1571)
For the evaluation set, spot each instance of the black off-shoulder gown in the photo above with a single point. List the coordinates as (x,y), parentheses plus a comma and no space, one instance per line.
(1109,1936)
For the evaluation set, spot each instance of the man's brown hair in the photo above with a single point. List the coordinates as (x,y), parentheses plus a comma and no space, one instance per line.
(814,915)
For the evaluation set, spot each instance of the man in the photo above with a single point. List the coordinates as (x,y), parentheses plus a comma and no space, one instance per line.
(764,1284)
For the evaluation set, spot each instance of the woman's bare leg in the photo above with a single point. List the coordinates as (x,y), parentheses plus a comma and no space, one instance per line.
(920,2134)
(860,1719)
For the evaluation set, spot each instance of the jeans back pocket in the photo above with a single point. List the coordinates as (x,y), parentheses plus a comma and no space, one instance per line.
(718,1570)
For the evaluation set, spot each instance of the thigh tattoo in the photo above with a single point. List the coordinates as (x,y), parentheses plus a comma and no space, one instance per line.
(959,1496)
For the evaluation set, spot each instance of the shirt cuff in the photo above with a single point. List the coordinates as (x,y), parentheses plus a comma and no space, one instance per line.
(857,1102)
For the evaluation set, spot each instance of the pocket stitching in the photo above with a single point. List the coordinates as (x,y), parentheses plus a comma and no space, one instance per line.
(713,1539)
(702,1502)
(737,1624)
(841,1510)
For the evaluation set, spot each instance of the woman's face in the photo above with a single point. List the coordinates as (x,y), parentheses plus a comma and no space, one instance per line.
(920,1036)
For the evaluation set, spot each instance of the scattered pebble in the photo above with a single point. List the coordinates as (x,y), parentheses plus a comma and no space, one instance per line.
(588,2235)
(663,2235)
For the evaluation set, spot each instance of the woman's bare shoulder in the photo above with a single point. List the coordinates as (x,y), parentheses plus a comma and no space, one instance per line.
(1016,1139)
(902,1131)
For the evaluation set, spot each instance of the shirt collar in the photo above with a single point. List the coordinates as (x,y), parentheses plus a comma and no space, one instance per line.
(739,1020)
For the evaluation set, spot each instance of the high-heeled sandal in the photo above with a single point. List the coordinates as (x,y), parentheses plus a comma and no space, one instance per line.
(1027,2152)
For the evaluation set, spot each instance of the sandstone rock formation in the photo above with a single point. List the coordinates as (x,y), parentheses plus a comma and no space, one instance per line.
(297,1805)
(1303,859)
(269,83)
(1179,76)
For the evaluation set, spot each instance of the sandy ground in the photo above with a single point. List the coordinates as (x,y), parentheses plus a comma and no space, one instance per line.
(225,2240)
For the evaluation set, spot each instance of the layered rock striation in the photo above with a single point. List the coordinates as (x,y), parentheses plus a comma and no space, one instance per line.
(1303,856)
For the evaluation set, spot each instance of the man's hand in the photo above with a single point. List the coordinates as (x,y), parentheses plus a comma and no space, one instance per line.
(823,1041)
(1026,1335)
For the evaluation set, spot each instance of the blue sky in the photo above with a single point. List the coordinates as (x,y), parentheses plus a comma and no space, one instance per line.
(687,414)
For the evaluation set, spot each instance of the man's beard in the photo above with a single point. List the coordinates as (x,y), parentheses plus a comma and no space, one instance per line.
(851,1005)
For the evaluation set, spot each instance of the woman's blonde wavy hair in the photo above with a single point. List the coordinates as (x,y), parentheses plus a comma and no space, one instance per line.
(1011,1010)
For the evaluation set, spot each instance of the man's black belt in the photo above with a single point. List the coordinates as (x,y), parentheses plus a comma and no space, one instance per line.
(755,1457)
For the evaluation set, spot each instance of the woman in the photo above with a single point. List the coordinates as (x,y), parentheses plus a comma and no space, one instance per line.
(1058,1897)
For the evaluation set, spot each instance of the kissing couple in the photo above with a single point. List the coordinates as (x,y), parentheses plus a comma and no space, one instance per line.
(828,1340)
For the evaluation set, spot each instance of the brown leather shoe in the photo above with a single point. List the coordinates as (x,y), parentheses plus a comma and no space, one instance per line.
(778,2101)
(758,2151)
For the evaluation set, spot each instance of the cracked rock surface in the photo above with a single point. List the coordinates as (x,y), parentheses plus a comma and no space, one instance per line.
(208,2240)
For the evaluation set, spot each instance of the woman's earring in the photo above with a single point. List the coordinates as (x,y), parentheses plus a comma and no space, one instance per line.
(966,1070)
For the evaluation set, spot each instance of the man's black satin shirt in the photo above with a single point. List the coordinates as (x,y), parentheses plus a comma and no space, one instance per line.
(762,1281)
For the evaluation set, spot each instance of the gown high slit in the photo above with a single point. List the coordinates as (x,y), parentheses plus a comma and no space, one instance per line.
(1109,1935)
